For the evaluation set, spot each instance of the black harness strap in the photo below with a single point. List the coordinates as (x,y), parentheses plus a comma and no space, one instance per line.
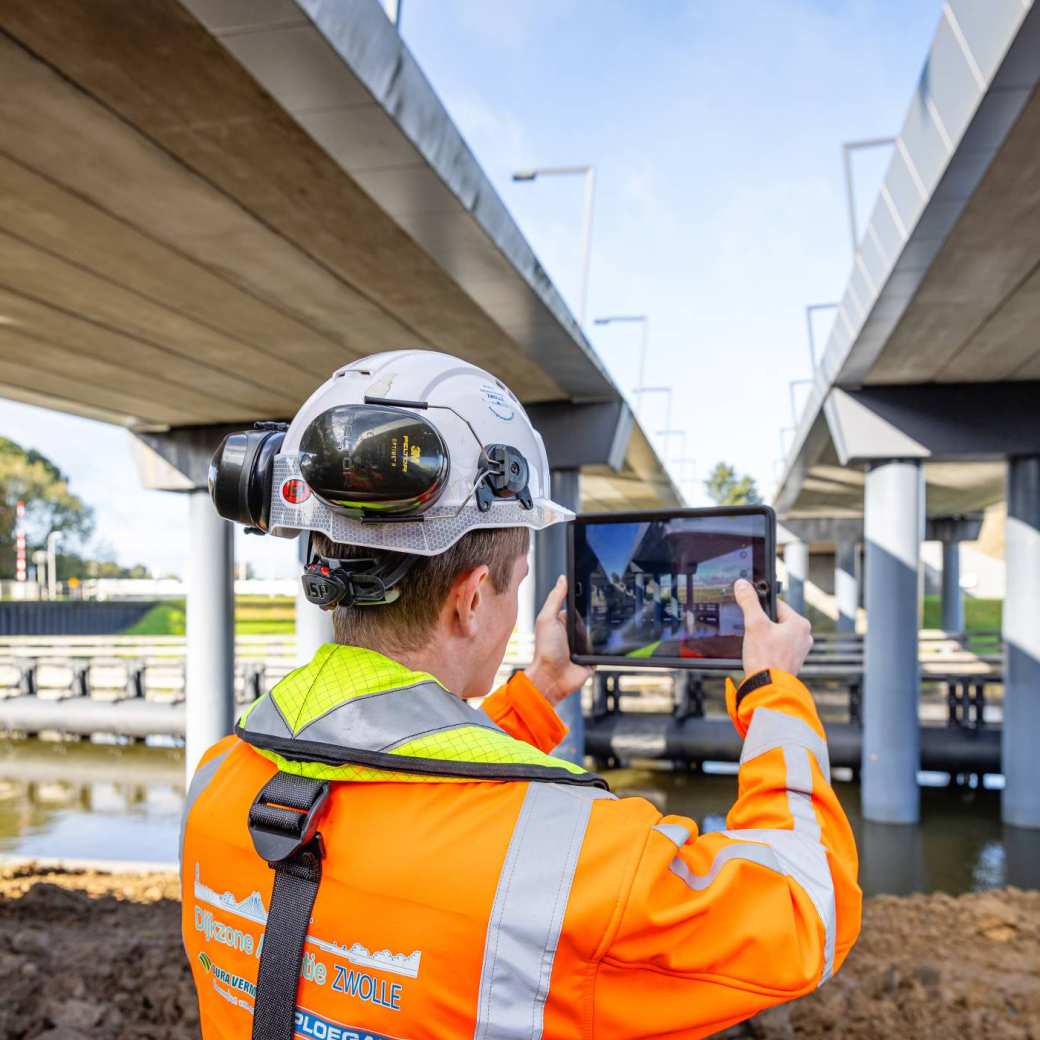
(283,823)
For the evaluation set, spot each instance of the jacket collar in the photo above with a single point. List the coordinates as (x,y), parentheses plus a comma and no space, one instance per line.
(353,714)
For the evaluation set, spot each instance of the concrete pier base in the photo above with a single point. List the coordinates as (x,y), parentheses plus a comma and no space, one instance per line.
(210,660)
(893,527)
(1021,799)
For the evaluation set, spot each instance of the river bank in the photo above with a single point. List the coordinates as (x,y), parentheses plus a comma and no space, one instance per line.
(90,954)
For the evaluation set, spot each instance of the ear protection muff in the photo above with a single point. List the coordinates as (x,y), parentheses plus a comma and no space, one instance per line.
(241,473)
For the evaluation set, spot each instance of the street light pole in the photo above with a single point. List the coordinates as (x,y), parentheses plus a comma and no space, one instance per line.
(685,480)
(589,173)
(667,391)
(847,148)
(791,394)
(674,433)
(811,309)
(644,343)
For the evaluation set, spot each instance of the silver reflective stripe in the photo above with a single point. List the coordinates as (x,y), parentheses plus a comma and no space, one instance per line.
(800,803)
(674,832)
(381,721)
(527,914)
(799,792)
(771,729)
(797,853)
(267,718)
(806,862)
(759,854)
(785,853)
(199,782)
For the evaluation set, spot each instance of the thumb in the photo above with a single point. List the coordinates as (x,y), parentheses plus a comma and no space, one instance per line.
(555,601)
(747,599)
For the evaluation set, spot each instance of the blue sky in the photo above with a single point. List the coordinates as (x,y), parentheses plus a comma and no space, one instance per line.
(715,127)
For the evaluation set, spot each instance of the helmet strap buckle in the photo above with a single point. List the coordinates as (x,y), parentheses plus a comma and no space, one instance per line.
(357,582)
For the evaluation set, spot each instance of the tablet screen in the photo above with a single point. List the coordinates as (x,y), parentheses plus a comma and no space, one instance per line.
(653,589)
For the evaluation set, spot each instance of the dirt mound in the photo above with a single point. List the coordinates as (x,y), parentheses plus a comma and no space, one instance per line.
(86,955)
(928,966)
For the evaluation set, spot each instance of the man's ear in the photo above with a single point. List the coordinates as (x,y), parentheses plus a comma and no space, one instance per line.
(465,597)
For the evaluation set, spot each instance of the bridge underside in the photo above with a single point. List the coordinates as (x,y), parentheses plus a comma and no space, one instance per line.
(206,208)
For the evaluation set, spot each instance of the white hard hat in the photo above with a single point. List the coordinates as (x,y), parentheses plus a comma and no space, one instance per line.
(408,451)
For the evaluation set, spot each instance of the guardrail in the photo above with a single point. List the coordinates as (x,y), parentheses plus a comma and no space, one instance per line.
(124,667)
(134,686)
(957,671)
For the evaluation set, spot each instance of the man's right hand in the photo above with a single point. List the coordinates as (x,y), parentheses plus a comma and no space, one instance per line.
(783,644)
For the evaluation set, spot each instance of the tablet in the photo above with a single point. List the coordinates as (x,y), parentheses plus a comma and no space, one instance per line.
(656,589)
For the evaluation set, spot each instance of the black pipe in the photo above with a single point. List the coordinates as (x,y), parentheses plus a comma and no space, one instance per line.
(631,735)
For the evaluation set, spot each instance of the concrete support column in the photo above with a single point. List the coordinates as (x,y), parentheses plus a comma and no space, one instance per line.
(1022,849)
(796,560)
(210,661)
(313,625)
(952,597)
(846,586)
(891,859)
(550,562)
(894,528)
(1021,798)
(528,609)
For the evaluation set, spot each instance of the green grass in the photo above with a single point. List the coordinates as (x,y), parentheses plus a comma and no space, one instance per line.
(254,616)
(980,615)
(274,627)
(164,619)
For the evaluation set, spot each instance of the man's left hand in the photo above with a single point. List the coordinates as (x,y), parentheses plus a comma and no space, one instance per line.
(553,671)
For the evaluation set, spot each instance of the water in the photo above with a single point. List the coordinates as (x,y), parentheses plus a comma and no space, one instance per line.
(959,846)
(91,801)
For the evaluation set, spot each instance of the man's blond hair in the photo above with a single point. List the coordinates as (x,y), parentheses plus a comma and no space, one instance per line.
(409,622)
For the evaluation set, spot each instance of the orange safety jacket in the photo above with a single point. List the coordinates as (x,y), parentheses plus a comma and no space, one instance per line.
(473,886)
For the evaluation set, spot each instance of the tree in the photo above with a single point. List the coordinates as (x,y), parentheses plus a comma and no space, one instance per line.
(725,488)
(27,475)
(75,565)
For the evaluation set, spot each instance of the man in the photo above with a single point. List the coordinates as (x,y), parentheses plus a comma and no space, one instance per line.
(370,857)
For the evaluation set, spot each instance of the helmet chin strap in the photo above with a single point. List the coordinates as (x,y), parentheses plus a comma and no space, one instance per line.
(359,582)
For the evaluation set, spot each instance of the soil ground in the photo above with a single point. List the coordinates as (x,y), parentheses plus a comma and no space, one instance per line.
(86,955)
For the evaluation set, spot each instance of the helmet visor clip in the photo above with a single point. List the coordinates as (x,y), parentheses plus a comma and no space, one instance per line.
(506,475)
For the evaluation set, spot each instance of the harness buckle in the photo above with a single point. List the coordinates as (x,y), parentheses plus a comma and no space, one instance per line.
(285,814)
